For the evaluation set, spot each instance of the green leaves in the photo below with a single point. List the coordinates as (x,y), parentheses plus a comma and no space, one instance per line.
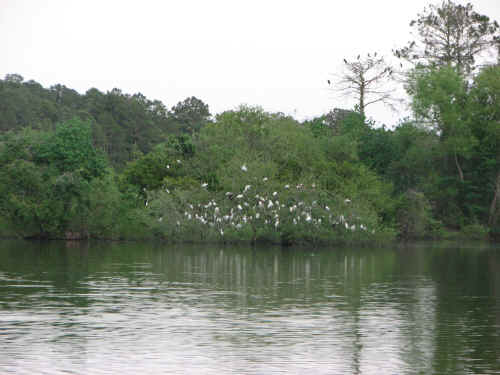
(450,35)
(190,115)
(70,149)
(45,179)
(441,97)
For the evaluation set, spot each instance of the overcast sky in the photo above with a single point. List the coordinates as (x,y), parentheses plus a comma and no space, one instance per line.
(273,53)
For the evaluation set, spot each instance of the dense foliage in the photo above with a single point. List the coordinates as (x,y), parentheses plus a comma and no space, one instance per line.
(247,175)
(123,125)
(113,165)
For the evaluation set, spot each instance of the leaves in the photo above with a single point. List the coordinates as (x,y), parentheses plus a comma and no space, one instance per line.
(450,34)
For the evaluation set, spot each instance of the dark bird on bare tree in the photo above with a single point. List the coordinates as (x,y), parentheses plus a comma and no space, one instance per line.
(359,56)
(345,61)
(329,82)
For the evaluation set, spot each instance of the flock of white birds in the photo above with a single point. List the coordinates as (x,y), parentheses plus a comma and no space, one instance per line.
(257,208)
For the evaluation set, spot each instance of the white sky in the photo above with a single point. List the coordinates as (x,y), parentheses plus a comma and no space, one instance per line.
(274,53)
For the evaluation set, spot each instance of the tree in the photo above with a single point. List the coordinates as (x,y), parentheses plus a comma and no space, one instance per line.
(164,167)
(14,78)
(191,114)
(70,150)
(450,34)
(45,179)
(411,162)
(440,97)
(485,97)
(366,79)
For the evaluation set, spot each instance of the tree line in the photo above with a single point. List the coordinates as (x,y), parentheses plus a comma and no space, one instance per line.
(114,165)
(123,124)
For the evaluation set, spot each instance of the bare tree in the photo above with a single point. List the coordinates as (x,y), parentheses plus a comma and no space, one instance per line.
(367,79)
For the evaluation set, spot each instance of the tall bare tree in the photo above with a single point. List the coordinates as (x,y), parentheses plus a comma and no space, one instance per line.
(366,78)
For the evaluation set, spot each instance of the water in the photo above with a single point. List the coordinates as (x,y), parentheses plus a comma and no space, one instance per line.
(148,309)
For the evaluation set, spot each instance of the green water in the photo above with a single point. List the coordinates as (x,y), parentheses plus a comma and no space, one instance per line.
(149,309)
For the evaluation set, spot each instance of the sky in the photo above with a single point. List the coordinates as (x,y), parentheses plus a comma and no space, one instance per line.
(277,54)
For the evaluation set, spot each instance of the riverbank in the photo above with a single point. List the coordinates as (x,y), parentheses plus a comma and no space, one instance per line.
(275,238)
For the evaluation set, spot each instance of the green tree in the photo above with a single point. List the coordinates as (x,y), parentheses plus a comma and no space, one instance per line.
(70,149)
(45,180)
(14,78)
(485,98)
(190,115)
(413,156)
(440,99)
(450,34)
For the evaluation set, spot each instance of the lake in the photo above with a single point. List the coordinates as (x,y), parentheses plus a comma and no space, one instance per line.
(145,308)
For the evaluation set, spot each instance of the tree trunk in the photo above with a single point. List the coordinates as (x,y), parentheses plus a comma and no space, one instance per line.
(460,172)
(362,98)
(493,207)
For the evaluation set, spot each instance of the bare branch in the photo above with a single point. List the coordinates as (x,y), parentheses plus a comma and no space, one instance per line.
(367,79)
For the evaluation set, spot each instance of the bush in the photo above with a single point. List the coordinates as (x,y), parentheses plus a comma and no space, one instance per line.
(259,212)
(475,231)
(413,215)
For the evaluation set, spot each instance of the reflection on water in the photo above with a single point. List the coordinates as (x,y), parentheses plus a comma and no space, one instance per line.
(140,308)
